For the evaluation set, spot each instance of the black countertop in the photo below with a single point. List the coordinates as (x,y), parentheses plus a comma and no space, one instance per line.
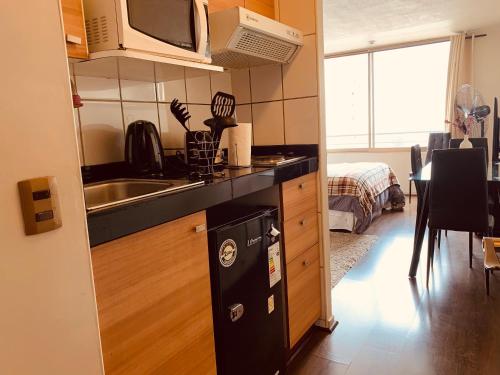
(114,222)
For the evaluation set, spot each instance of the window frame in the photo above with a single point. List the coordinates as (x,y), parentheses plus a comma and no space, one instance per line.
(371,108)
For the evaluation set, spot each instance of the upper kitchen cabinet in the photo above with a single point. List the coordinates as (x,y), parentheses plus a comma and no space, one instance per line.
(74,29)
(267,8)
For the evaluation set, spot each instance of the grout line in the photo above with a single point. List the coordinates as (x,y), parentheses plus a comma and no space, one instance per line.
(251,105)
(283,105)
(157,105)
(95,100)
(121,100)
(186,93)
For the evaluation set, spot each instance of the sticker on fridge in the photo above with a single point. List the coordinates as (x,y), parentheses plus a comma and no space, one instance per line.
(274,262)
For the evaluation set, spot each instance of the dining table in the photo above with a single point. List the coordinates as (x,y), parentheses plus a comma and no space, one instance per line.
(424,177)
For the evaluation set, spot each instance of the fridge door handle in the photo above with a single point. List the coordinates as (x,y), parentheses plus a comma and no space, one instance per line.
(236,311)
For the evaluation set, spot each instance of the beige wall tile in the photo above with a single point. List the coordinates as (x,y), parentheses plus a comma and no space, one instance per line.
(98,88)
(138,90)
(300,14)
(199,113)
(102,132)
(198,87)
(172,132)
(240,82)
(301,121)
(244,113)
(266,83)
(136,70)
(220,82)
(137,79)
(140,111)
(300,76)
(171,83)
(268,123)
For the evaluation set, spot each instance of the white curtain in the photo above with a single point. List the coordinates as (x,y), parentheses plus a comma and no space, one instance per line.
(457,76)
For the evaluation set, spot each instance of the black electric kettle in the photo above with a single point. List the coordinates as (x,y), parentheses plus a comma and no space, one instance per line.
(143,149)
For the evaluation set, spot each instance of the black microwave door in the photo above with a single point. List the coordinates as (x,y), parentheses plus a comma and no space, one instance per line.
(171,21)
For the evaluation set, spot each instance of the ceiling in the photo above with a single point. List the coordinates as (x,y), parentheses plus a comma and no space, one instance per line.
(352,24)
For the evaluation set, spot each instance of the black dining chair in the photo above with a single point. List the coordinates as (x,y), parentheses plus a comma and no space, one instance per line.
(458,196)
(416,167)
(476,142)
(437,141)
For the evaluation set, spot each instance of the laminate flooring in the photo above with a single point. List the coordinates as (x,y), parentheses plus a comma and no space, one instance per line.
(390,324)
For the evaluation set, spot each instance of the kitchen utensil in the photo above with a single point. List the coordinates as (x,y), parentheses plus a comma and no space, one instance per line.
(180,112)
(222,108)
(143,149)
(223,105)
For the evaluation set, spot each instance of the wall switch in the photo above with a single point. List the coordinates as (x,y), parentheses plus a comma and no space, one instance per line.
(39,204)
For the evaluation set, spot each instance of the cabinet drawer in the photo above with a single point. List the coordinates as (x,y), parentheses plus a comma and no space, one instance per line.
(304,293)
(301,233)
(299,195)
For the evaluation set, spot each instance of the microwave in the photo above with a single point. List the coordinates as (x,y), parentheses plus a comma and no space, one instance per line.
(170,28)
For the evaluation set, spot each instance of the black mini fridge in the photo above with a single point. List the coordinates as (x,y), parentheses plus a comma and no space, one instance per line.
(247,291)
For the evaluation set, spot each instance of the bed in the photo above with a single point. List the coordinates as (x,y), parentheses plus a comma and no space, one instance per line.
(358,192)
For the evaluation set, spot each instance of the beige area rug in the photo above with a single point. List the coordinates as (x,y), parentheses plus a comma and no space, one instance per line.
(345,250)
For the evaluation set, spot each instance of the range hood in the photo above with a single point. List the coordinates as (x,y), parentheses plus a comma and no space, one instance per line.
(241,38)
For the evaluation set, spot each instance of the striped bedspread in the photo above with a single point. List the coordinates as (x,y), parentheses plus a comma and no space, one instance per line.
(364,181)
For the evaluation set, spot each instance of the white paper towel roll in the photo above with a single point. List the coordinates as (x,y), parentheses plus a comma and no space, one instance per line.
(240,145)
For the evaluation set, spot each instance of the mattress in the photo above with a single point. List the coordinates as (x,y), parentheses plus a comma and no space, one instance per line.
(358,192)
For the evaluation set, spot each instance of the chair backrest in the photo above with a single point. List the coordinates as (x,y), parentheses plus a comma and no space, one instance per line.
(458,190)
(437,141)
(416,159)
(476,142)
(416,167)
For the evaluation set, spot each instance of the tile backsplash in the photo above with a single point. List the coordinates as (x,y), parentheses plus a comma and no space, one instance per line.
(281,101)
(118,91)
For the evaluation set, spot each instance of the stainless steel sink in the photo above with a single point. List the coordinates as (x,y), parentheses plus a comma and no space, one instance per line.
(120,191)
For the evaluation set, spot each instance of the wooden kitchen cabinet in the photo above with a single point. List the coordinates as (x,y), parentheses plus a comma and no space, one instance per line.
(304,293)
(265,7)
(74,29)
(301,240)
(154,301)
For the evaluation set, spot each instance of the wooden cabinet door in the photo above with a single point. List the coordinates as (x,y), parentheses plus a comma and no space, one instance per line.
(154,301)
(264,7)
(299,195)
(304,293)
(217,5)
(74,29)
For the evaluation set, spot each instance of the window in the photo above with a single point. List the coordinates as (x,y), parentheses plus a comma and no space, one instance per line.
(392,98)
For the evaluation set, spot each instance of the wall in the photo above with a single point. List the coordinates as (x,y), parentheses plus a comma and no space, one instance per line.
(116,92)
(487,67)
(282,101)
(48,319)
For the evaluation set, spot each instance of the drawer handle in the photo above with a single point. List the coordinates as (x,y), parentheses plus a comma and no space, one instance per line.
(302,222)
(73,39)
(302,185)
(306,263)
(200,228)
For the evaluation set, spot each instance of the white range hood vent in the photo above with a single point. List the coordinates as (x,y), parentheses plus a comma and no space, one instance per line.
(241,38)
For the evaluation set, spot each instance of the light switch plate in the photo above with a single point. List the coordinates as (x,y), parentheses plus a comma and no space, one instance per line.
(39,204)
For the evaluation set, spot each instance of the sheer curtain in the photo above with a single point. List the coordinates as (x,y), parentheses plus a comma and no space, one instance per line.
(459,73)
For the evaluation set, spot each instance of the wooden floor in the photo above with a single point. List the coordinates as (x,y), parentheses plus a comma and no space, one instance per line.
(389,324)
